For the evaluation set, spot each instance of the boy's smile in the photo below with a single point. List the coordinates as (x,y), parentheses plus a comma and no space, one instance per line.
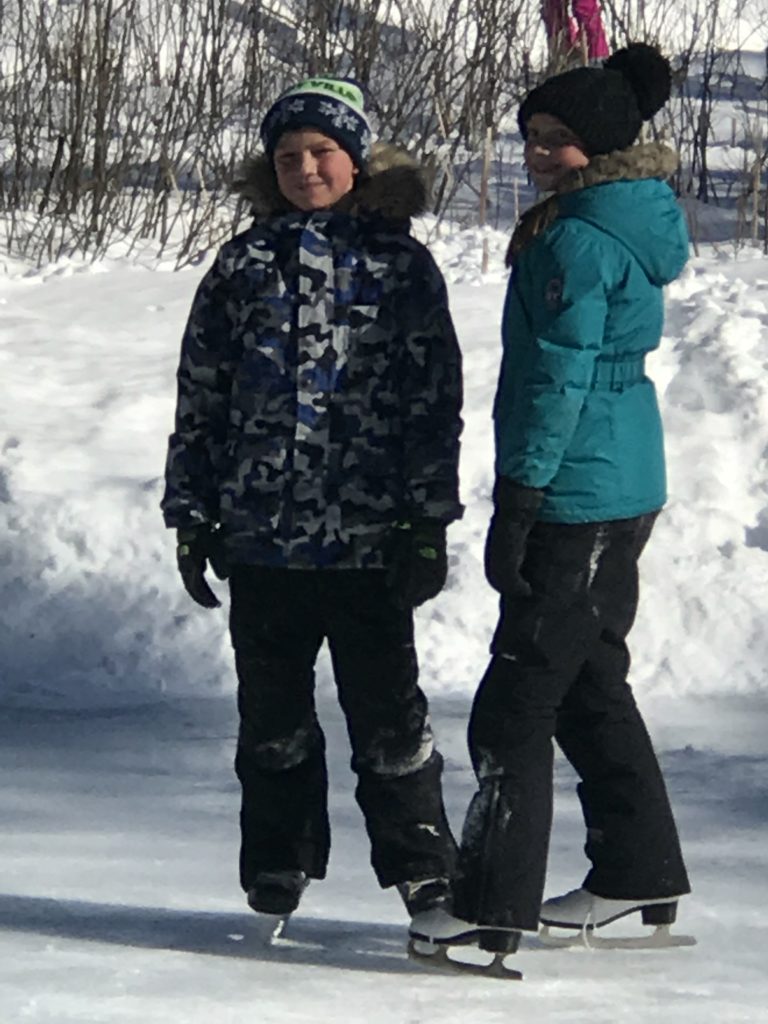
(313,170)
(551,151)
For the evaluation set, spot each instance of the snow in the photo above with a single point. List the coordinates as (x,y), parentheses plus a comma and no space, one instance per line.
(117,723)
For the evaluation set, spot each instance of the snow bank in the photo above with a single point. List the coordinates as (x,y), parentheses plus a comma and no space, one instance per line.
(92,612)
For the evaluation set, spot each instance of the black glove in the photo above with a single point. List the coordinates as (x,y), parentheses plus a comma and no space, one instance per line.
(514,513)
(197,545)
(419,562)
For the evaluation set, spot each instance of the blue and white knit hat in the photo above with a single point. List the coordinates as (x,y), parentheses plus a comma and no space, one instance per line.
(335,106)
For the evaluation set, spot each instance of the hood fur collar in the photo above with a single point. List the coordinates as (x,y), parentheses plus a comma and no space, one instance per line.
(649,160)
(393,186)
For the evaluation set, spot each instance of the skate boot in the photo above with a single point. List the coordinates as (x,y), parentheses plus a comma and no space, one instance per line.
(433,932)
(274,896)
(425,894)
(583,911)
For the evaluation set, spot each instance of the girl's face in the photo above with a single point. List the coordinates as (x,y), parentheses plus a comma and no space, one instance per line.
(551,151)
(313,171)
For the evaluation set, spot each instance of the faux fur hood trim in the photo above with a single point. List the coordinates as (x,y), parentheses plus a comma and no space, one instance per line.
(393,185)
(648,160)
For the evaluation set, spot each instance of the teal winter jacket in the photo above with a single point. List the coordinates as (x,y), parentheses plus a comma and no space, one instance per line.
(575,412)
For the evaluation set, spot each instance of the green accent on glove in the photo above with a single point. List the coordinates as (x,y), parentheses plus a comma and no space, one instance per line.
(195,548)
(418,562)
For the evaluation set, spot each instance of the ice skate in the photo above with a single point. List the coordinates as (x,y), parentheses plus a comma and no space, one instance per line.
(433,933)
(425,894)
(274,896)
(581,912)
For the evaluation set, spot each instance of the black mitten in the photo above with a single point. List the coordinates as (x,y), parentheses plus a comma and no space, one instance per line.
(419,562)
(514,513)
(197,546)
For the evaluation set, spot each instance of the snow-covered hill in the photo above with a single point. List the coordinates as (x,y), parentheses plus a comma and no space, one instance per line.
(119,901)
(92,610)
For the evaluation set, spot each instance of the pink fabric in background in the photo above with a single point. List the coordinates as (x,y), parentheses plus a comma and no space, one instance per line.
(586,19)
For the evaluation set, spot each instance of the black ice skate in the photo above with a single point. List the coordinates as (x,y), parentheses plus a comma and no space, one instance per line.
(274,896)
(434,933)
(580,912)
(425,894)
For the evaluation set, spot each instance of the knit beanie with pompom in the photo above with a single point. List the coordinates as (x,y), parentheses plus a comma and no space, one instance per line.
(606,106)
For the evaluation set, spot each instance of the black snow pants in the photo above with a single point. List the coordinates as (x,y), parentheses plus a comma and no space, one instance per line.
(559,670)
(279,619)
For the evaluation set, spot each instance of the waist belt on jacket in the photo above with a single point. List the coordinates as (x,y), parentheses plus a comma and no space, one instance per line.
(617,374)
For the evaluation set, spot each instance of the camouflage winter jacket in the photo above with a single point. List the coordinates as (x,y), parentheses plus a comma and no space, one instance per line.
(319,387)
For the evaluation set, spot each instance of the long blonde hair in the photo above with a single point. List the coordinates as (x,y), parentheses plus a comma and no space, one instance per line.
(530,224)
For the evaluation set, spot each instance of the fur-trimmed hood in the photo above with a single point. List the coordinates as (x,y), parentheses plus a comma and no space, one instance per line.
(393,185)
(651,160)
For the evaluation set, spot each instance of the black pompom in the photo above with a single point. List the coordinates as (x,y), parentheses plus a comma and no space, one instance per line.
(648,73)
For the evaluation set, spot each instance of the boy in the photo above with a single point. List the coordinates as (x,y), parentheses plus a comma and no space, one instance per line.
(315,453)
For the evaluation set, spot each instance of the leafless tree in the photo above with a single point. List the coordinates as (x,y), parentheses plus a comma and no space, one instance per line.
(122,120)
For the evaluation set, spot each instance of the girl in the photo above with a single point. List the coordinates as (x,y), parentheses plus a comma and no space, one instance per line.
(580,480)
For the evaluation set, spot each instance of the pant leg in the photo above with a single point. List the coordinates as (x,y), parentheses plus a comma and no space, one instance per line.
(537,652)
(587,14)
(393,754)
(561,29)
(632,839)
(280,759)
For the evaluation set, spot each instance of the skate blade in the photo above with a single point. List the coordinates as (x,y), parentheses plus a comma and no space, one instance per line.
(436,957)
(270,927)
(660,938)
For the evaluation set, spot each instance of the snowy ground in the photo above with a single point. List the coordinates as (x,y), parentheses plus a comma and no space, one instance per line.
(119,899)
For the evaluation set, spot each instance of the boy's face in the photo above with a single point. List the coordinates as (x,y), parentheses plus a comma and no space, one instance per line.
(551,151)
(313,171)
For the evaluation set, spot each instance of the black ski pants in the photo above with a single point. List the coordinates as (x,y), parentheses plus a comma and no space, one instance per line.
(559,671)
(279,619)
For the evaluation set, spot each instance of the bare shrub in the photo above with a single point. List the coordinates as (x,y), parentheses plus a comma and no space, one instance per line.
(123,120)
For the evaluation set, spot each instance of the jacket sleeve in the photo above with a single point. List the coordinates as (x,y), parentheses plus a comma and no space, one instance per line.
(431,396)
(204,377)
(559,290)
